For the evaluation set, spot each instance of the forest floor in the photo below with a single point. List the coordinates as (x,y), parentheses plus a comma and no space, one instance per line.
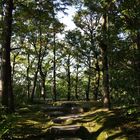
(34,122)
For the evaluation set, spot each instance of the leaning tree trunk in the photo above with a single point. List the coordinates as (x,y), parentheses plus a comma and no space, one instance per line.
(39,53)
(7,90)
(36,73)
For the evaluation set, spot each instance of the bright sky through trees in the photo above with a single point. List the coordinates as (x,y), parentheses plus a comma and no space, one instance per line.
(67,19)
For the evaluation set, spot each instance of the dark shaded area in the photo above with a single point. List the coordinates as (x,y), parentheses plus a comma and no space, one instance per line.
(33,123)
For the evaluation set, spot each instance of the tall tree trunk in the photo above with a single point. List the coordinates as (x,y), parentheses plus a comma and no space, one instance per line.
(104,46)
(36,73)
(34,85)
(76,83)
(35,76)
(54,67)
(27,76)
(11,95)
(39,53)
(13,66)
(43,90)
(43,79)
(7,90)
(89,77)
(96,92)
(97,68)
(137,64)
(68,78)
(88,88)
(12,80)
(106,98)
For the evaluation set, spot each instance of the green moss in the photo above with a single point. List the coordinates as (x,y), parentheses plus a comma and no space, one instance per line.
(68,121)
(100,123)
(24,110)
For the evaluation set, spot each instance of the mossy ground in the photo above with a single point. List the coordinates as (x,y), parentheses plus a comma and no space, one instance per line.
(31,121)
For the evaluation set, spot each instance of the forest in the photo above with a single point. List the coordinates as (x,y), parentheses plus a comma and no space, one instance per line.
(70,84)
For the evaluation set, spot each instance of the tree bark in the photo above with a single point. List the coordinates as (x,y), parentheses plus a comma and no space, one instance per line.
(36,73)
(43,79)
(43,90)
(88,88)
(54,68)
(68,78)
(76,83)
(106,98)
(34,85)
(39,64)
(28,79)
(104,47)
(7,90)
(137,62)
(13,66)
(96,92)
(89,77)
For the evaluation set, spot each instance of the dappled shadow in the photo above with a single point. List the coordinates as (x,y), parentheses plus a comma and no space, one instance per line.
(110,122)
(33,123)
(30,122)
(117,123)
(22,132)
(118,135)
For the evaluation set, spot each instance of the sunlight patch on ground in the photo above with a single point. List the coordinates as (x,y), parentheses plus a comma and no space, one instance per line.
(101,123)
(106,135)
(31,122)
(92,127)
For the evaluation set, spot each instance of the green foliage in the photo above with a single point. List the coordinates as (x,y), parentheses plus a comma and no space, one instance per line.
(6,121)
(35,23)
(78,57)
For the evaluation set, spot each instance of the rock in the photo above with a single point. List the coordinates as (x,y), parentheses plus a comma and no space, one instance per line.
(24,110)
(68,131)
(72,108)
(63,119)
(53,108)
(69,104)
(76,110)
(66,119)
(56,113)
(64,130)
(59,120)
